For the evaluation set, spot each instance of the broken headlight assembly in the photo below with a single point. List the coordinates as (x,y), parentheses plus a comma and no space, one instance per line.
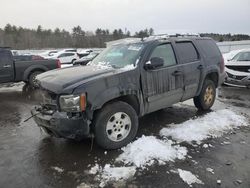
(72,103)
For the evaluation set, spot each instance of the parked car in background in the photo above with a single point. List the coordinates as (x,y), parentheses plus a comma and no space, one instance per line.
(48,53)
(84,60)
(127,81)
(238,69)
(16,70)
(66,57)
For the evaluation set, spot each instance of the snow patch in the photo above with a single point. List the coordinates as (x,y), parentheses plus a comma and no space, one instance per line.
(214,124)
(60,170)
(210,170)
(148,149)
(108,173)
(188,177)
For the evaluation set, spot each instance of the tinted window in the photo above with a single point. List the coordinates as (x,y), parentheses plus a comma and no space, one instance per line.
(209,48)
(4,57)
(166,52)
(187,52)
(69,54)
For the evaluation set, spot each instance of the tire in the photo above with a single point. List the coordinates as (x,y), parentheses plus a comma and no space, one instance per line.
(207,96)
(115,125)
(32,79)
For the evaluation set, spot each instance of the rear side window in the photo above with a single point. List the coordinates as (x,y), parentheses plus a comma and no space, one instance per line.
(187,52)
(165,51)
(209,48)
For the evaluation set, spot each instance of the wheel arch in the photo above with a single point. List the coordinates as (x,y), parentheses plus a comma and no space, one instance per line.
(32,69)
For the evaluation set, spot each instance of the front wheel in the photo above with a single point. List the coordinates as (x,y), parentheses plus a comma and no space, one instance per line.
(207,96)
(115,125)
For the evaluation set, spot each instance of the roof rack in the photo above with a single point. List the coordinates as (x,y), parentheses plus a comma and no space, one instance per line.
(166,36)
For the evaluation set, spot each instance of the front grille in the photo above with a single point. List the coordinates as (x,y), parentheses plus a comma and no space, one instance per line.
(235,77)
(240,68)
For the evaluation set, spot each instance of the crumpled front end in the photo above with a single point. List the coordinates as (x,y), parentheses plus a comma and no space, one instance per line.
(60,124)
(237,78)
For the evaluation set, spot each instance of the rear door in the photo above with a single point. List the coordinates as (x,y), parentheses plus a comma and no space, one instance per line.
(163,86)
(6,66)
(190,61)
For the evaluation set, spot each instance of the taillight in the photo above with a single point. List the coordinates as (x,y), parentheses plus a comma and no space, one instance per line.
(222,65)
(58,63)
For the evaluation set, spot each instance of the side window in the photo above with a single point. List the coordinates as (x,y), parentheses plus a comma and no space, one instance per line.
(165,51)
(187,52)
(62,55)
(4,57)
(69,54)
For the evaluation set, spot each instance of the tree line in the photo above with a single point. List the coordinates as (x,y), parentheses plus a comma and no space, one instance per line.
(40,38)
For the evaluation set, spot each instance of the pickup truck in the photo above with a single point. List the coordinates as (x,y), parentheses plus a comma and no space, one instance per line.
(12,70)
(124,82)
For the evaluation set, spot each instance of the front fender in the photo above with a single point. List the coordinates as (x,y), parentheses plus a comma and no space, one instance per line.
(114,93)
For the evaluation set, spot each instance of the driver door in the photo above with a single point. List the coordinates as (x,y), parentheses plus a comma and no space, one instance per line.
(162,86)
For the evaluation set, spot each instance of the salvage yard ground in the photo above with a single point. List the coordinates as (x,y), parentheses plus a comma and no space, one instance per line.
(175,147)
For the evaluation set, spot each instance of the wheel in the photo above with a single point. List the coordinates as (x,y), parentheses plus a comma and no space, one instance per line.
(115,125)
(32,79)
(207,96)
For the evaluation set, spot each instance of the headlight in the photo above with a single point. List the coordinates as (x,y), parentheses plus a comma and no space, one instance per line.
(73,103)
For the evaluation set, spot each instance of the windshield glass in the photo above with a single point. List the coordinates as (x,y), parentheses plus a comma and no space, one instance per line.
(119,56)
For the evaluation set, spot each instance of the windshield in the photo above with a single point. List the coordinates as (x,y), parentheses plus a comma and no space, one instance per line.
(119,56)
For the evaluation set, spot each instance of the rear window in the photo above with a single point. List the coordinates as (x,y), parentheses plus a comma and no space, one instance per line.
(187,52)
(209,48)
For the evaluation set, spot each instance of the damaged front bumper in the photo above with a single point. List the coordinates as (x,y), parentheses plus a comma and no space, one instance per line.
(237,78)
(60,124)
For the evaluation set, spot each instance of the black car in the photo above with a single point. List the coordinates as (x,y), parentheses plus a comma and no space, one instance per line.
(86,59)
(127,81)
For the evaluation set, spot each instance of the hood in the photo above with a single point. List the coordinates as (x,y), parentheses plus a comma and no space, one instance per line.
(67,79)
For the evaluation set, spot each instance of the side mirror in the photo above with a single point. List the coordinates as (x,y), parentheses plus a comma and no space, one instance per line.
(154,63)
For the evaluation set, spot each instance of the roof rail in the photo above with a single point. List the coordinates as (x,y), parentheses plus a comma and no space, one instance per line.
(166,36)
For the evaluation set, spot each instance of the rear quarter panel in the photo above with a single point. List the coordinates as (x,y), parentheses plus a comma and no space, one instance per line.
(24,68)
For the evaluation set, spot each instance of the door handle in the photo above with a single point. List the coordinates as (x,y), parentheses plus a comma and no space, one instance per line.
(200,67)
(177,73)
(6,66)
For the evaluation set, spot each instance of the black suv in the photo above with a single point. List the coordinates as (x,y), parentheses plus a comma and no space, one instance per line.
(126,81)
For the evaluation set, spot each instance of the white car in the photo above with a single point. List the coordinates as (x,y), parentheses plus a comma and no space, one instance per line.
(238,69)
(66,57)
(48,53)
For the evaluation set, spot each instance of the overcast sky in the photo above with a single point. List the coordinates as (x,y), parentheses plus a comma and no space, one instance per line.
(165,16)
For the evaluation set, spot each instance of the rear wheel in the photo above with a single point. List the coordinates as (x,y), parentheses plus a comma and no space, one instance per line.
(32,79)
(115,125)
(207,96)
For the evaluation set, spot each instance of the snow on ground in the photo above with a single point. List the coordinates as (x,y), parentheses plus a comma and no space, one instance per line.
(148,149)
(214,124)
(188,177)
(60,170)
(109,173)
(11,87)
